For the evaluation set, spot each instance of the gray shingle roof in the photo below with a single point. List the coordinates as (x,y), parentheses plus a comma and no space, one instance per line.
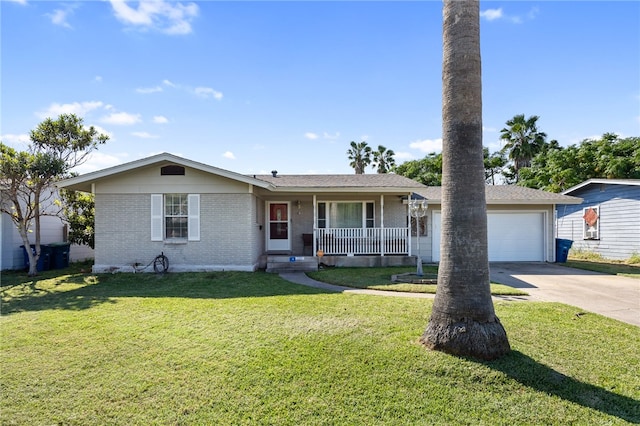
(341,181)
(508,194)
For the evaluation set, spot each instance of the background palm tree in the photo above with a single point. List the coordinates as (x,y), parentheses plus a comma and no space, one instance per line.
(522,140)
(463,320)
(359,156)
(383,159)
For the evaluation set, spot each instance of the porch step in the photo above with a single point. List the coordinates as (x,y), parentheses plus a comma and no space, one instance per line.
(279,264)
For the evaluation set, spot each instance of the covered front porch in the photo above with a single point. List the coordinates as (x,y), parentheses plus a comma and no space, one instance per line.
(361,241)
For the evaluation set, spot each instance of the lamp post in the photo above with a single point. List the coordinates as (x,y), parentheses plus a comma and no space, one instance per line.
(418,209)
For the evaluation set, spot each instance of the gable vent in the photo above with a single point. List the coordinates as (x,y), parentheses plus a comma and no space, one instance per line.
(172,170)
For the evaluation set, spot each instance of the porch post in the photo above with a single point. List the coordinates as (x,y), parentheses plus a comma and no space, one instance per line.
(409,227)
(315,236)
(382,233)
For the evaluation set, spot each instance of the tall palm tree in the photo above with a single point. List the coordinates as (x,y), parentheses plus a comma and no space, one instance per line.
(383,159)
(463,321)
(360,156)
(522,140)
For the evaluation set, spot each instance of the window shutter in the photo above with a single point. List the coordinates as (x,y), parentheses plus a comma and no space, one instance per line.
(194,217)
(156,217)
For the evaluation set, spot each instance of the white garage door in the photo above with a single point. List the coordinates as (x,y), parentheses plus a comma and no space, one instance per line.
(512,236)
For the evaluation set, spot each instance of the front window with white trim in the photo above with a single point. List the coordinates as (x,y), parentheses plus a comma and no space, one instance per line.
(175,217)
(346,214)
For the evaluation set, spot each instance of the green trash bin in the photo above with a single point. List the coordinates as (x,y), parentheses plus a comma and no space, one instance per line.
(59,255)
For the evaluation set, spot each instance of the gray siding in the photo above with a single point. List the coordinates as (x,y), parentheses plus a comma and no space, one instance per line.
(619,220)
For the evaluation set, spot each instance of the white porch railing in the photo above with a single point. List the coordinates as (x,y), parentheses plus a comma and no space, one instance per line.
(354,241)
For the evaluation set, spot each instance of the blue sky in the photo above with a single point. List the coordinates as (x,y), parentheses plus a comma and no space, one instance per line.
(257,86)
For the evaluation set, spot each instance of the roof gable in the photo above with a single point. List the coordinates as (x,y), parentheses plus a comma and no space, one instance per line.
(597,181)
(85,181)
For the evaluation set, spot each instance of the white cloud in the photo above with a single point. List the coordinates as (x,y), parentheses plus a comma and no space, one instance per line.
(498,14)
(78,108)
(169,83)
(121,118)
(11,139)
(207,92)
(160,119)
(328,136)
(491,14)
(98,161)
(229,155)
(22,2)
(401,157)
(311,135)
(168,18)
(324,136)
(98,79)
(144,135)
(59,16)
(427,145)
(147,90)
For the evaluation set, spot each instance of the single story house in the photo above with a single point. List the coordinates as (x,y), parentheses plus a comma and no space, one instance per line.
(205,218)
(607,221)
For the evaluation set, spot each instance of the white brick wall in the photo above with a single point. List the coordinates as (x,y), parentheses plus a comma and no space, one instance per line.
(227,234)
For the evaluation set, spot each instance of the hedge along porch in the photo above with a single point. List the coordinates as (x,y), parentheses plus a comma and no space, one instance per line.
(205,218)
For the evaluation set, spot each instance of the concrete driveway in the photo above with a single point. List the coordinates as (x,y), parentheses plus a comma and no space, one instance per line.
(609,295)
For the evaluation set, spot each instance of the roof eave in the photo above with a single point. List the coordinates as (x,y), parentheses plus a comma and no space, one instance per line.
(83,182)
(591,181)
(313,190)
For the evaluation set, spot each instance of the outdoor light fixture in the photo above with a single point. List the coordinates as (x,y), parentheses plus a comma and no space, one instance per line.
(418,209)
(299,205)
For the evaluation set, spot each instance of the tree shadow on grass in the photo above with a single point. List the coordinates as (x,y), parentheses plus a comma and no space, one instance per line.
(79,291)
(540,377)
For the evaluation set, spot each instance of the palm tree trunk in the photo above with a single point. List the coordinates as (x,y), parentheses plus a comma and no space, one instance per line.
(463,321)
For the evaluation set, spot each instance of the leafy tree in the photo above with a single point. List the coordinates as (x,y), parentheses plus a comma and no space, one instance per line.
(522,141)
(556,169)
(79,212)
(463,321)
(494,165)
(360,156)
(383,159)
(27,177)
(427,171)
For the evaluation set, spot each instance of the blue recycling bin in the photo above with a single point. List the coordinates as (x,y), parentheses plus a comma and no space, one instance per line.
(59,255)
(44,262)
(562,249)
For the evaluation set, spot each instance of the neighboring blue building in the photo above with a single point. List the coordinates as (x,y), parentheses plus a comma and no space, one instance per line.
(608,220)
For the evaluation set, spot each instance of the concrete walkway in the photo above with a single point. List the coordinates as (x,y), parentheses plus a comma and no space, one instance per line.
(608,295)
(302,278)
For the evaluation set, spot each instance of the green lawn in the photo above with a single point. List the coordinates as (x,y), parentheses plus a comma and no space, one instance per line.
(250,348)
(606,267)
(380,279)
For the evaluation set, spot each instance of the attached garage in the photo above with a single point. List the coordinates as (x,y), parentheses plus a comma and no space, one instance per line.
(512,236)
(520,223)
